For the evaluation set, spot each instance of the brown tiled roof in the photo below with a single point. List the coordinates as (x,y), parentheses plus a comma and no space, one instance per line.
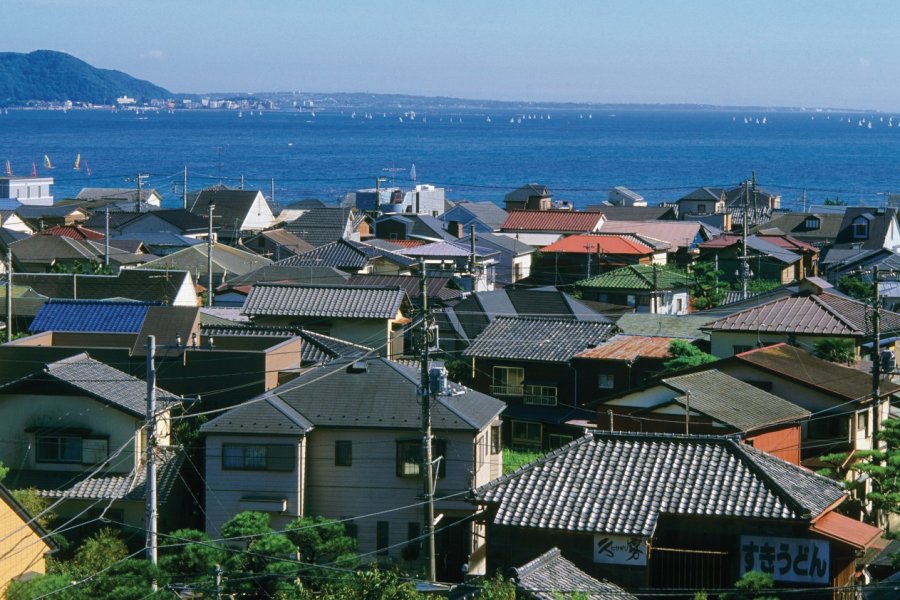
(799,365)
(629,347)
(552,220)
(825,314)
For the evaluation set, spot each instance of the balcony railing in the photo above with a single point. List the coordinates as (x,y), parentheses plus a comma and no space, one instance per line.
(540,395)
(507,390)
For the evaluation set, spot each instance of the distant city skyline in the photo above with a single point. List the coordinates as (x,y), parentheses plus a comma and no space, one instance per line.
(764,53)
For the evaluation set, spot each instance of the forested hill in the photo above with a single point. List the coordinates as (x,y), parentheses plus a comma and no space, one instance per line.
(48,76)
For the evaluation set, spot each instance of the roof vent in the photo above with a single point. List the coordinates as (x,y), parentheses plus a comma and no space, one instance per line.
(358,366)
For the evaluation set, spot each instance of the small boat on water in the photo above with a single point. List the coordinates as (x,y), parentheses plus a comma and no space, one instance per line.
(77,166)
(8,169)
(47,163)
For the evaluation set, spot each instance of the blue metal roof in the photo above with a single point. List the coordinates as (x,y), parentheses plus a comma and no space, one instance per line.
(90,316)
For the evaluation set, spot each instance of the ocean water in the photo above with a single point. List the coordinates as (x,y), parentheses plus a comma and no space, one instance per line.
(473,154)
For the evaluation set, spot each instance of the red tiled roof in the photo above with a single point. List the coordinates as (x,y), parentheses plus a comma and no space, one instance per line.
(788,243)
(408,243)
(629,347)
(605,244)
(850,531)
(552,221)
(74,232)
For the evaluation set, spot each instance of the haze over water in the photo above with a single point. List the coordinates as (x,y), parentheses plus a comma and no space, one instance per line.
(474,154)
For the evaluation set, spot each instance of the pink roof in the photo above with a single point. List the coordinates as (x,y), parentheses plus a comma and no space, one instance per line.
(630,347)
(604,244)
(679,234)
(552,221)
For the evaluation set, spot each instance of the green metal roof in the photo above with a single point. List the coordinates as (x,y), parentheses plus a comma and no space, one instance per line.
(637,277)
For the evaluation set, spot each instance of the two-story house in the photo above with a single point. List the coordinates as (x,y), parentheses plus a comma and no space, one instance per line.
(345,442)
(75,431)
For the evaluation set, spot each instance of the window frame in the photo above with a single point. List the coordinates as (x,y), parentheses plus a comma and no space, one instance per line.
(611,381)
(812,223)
(540,395)
(496,440)
(41,443)
(505,388)
(260,459)
(860,228)
(343,453)
(404,466)
(528,441)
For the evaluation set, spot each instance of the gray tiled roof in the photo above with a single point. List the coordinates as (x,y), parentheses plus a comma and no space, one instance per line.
(683,326)
(344,254)
(316,348)
(127,486)
(488,213)
(634,478)
(437,287)
(99,380)
(320,226)
(323,301)
(537,338)
(291,274)
(551,577)
(733,402)
(231,208)
(382,395)
(268,415)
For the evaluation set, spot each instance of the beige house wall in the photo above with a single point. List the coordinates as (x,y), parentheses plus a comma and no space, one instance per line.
(21,549)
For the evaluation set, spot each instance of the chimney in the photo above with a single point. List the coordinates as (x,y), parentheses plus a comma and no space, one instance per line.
(456,229)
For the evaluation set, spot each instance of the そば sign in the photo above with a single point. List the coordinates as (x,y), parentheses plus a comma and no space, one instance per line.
(620,550)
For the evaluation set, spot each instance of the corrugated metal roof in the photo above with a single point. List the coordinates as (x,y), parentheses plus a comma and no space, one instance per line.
(630,347)
(552,220)
(850,531)
(634,478)
(92,316)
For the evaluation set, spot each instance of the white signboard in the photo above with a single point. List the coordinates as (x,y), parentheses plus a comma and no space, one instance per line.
(620,550)
(786,559)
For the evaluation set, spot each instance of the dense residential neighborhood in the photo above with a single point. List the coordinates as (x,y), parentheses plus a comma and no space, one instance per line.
(626,402)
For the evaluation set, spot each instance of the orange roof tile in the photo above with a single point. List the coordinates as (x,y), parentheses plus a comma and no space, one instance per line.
(552,221)
(604,244)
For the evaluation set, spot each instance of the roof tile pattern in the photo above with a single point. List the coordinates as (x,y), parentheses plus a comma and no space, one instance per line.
(536,338)
(621,483)
(629,348)
(552,220)
(603,244)
(275,299)
(549,575)
(638,277)
(825,314)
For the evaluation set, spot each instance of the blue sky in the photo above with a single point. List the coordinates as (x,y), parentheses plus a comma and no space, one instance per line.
(770,53)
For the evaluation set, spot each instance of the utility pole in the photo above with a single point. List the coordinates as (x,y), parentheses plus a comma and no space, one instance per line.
(425,397)
(745,267)
(587,256)
(876,353)
(242,181)
(272,194)
(209,251)
(106,240)
(9,291)
(755,196)
(472,261)
(687,412)
(184,190)
(140,191)
(151,454)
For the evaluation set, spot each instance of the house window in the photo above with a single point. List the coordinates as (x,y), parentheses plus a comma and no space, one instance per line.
(258,457)
(632,300)
(57,448)
(508,381)
(382,537)
(701,208)
(862,422)
(496,442)
(557,440)
(526,434)
(343,453)
(540,395)
(860,228)
(737,349)
(409,457)
(679,305)
(605,381)
(812,223)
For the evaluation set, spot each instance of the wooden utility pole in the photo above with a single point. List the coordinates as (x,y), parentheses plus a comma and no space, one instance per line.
(744,258)
(425,397)
(876,352)
(106,240)
(9,293)
(184,202)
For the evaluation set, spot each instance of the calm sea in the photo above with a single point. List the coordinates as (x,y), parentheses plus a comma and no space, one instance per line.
(477,155)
